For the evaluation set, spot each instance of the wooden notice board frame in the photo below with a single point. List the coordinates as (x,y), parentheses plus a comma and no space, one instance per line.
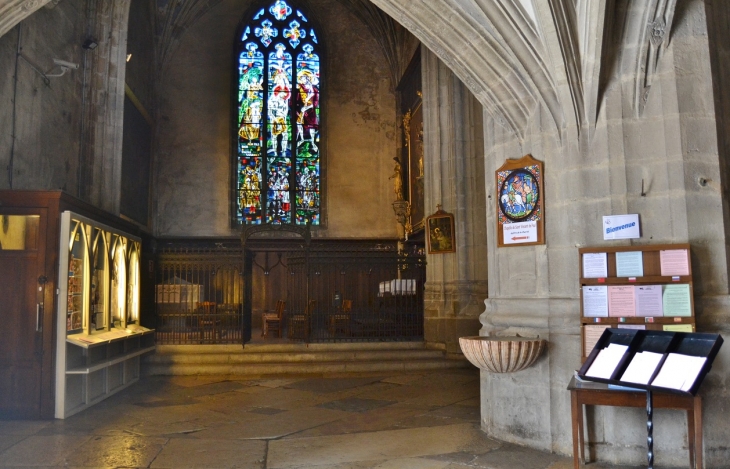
(652,276)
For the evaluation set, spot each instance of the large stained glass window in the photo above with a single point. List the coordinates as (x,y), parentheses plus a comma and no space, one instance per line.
(278,115)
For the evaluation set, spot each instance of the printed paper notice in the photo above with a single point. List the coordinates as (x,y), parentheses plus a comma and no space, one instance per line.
(595,265)
(595,301)
(606,361)
(679,372)
(621,302)
(621,226)
(642,367)
(674,262)
(678,328)
(649,300)
(676,300)
(629,264)
(591,334)
(522,232)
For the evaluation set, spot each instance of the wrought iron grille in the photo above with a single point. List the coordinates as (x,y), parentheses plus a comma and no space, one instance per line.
(342,293)
(334,291)
(199,296)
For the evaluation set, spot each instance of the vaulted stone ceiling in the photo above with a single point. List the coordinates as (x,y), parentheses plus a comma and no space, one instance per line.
(514,55)
(174,17)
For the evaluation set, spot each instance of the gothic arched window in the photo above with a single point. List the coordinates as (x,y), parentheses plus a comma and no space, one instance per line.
(277,118)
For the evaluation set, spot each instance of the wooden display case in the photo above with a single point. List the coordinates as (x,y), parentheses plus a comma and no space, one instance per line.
(33,318)
(652,275)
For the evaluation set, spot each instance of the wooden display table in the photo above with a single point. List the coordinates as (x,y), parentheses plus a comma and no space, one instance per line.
(591,393)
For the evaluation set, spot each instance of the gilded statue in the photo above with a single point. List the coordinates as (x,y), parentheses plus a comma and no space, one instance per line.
(420,151)
(397,178)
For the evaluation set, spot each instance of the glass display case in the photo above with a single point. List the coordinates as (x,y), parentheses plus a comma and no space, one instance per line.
(100,340)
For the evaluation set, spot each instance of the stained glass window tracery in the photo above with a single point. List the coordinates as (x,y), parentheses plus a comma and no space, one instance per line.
(278,115)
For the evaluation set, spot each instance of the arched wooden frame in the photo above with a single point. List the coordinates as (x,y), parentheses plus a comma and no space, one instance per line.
(514,229)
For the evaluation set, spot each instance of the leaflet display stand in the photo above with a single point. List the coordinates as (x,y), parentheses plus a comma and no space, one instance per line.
(665,362)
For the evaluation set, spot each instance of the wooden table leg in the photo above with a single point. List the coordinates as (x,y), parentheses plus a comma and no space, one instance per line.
(576,410)
(691,437)
(698,432)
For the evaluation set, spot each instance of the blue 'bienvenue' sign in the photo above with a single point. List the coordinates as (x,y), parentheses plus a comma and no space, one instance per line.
(621,227)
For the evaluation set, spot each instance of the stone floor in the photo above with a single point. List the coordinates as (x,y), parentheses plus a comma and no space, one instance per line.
(425,420)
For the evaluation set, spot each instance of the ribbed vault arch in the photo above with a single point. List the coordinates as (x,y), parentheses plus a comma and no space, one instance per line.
(493,47)
(511,54)
(13,12)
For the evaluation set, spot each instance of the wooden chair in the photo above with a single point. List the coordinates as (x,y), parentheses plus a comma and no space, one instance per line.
(273,321)
(300,325)
(208,321)
(341,321)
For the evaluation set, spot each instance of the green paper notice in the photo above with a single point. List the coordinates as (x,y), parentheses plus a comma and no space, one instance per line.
(677,300)
(630,264)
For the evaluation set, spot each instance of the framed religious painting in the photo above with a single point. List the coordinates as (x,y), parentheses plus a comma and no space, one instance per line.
(520,198)
(411,151)
(440,232)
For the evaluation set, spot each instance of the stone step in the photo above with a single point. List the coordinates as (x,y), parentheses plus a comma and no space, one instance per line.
(293,357)
(290,358)
(292,347)
(293,368)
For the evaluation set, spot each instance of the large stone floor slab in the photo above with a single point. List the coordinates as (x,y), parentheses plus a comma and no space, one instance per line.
(423,420)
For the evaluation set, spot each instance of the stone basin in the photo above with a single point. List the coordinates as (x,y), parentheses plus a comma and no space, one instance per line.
(501,354)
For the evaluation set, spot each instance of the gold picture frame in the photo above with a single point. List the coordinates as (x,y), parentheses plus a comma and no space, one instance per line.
(440,233)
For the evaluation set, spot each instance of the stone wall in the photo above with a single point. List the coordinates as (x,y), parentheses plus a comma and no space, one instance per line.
(607,95)
(671,148)
(604,100)
(67,129)
(43,117)
(194,128)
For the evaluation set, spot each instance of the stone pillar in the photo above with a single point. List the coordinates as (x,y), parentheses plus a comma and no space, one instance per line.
(456,283)
(101,159)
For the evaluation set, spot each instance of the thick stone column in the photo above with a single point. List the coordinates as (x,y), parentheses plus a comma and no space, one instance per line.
(456,283)
(101,160)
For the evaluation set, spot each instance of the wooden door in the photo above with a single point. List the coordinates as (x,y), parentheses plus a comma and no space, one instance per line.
(22,291)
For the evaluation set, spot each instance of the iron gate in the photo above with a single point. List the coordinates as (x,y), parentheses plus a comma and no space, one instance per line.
(199,296)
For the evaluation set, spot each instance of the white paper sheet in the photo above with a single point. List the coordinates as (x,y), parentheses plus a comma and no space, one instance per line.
(621,226)
(595,301)
(641,368)
(649,301)
(595,265)
(679,372)
(606,361)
